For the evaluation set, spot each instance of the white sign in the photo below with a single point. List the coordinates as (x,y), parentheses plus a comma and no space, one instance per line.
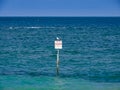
(58,44)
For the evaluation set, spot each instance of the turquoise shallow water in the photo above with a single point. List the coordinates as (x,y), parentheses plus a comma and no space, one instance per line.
(89,60)
(52,83)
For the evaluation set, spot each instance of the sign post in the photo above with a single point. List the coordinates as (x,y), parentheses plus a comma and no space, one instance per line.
(58,46)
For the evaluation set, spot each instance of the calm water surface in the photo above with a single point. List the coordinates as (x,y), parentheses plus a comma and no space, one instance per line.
(89,60)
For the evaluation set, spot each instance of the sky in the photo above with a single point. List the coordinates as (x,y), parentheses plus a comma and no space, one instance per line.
(59,7)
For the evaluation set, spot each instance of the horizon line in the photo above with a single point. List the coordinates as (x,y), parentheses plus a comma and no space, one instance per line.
(57,16)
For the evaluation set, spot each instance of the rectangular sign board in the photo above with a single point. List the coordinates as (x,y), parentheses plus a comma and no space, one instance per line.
(58,44)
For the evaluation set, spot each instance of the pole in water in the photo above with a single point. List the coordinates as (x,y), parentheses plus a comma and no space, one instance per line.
(57,62)
(58,46)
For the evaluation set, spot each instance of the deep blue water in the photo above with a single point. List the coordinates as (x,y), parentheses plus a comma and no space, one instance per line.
(90,54)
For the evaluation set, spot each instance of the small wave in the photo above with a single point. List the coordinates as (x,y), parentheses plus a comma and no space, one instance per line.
(10,27)
(44,27)
(38,27)
(94,78)
(72,52)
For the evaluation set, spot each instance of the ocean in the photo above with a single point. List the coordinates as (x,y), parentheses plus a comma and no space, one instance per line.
(89,59)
